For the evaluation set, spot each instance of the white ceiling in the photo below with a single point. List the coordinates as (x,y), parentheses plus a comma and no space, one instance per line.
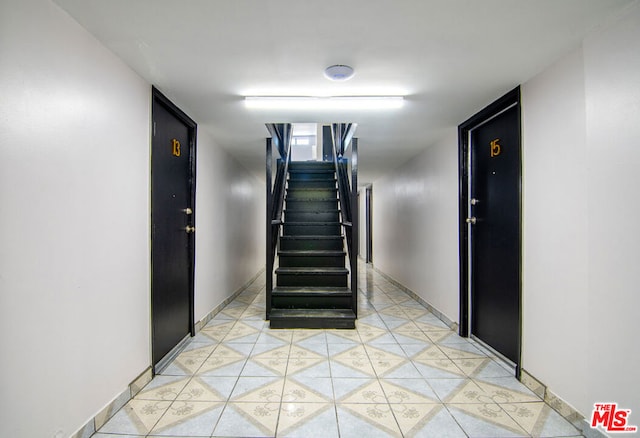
(449,57)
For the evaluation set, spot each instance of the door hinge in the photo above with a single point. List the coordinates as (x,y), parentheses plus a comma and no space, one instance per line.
(154,129)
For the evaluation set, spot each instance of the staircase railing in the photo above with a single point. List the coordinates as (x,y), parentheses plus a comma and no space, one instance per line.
(281,136)
(342,137)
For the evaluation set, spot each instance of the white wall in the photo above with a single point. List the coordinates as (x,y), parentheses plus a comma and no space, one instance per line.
(581,136)
(74,230)
(74,239)
(612,88)
(555,234)
(581,157)
(415,225)
(230,228)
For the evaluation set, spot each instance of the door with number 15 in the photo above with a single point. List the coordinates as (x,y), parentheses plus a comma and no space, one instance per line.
(491,143)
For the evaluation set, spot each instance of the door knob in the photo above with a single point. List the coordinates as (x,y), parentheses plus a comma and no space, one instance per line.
(471,220)
(187,211)
(474,201)
(190,229)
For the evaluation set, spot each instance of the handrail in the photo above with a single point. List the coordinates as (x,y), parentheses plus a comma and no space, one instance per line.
(344,189)
(341,136)
(278,212)
(281,134)
(354,229)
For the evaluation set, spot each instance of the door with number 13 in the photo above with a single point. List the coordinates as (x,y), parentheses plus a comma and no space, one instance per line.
(172,215)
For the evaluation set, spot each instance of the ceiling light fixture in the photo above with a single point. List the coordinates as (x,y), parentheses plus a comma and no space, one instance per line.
(339,72)
(324,103)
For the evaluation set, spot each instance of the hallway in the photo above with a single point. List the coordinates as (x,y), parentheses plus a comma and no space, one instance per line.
(401,373)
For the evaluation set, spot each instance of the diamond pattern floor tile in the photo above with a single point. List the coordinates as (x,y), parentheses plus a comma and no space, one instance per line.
(163,388)
(411,391)
(402,372)
(315,390)
(485,420)
(208,389)
(539,420)
(258,389)
(359,420)
(349,390)
(305,420)
(137,417)
(265,366)
(248,420)
(189,419)
(426,420)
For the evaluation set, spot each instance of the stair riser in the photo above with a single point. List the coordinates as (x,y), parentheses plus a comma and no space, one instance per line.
(311,216)
(303,280)
(303,302)
(317,176)
(311,244)
(315,261)
(316,205)
(311,230)
(311,165)
(311,194)
(312,184)
(312,323)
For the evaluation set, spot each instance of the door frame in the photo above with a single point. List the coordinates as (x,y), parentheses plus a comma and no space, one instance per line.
(159,98)
(369,223)
(464,161)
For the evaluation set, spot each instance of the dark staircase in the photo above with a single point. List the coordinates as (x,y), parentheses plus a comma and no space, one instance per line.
(311,280)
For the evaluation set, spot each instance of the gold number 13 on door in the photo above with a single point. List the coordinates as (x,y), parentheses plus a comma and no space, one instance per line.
(176,148)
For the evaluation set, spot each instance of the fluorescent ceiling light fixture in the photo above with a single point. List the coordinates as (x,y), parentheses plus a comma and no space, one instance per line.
(324,103)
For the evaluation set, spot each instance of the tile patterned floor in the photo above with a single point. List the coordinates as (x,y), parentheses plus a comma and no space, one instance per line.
(402,372)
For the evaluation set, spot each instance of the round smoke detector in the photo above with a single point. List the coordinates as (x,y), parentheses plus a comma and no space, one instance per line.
(339,72)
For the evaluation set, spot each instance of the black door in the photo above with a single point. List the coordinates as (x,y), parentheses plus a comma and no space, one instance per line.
(493,210)
(172,216)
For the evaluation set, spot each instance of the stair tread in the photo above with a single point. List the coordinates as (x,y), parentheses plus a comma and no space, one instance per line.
(310,212)
(313,319)
(312,270)
(327,183)
(333,210)
(312,237)
(296,169)
(310,290)
(303,252)
(312,223)
(316,189)
(310,199)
